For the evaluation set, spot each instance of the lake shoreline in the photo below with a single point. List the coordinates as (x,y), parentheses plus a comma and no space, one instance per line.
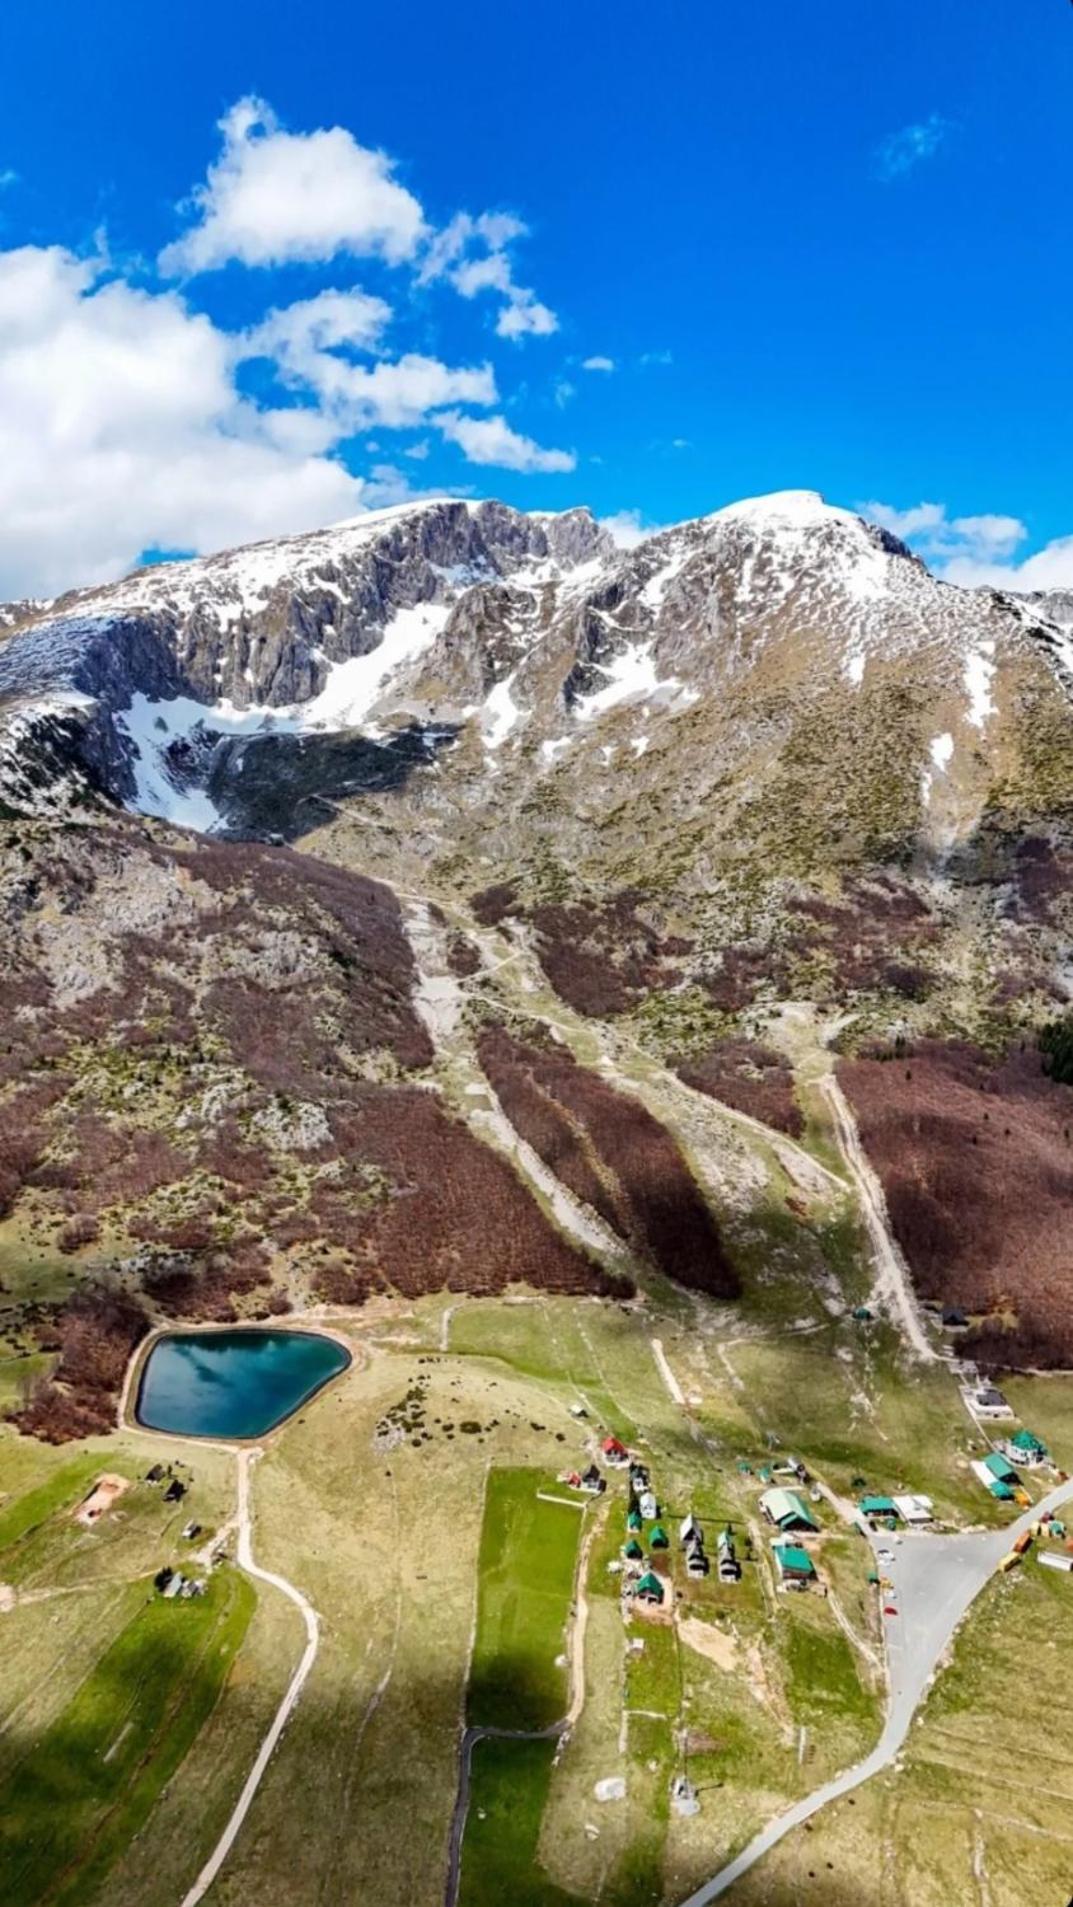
(227,1339)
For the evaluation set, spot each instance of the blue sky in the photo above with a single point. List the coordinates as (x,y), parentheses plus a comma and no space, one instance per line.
(821,247)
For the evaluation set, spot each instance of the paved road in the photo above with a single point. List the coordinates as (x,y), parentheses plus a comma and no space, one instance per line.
(936,1579)
(294,1688)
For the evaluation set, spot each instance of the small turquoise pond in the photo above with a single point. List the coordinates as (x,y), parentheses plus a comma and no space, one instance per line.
(233,1383)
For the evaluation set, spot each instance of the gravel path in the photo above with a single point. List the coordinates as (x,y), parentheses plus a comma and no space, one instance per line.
(294,1688)
(894,1286)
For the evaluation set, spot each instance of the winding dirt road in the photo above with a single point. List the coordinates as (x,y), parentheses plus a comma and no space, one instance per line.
(294,1688)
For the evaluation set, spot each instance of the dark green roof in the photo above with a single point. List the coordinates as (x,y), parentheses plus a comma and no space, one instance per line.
(657,1536)
(634,1521)
(633,1549)
(650,1585)
(1000,1467)
(878,1506)
(789,1556)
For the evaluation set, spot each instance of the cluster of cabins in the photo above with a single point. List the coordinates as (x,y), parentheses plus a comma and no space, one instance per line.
(999,1470)
(886,1512)
(791,1516)
(644,1585)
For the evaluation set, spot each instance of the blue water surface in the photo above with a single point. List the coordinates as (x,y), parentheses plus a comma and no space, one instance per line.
(233,1383)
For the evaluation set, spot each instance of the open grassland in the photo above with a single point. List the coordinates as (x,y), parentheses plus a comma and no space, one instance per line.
(78,1793)
(372,1500)
(1045,1404)
(980,1807)
(508,1794)
(526,1563)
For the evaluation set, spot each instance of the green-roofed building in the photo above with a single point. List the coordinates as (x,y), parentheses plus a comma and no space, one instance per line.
(649,1589)
(1001,1468)
(635,1521)
(1001,1490)
(794,1564)
(788,1511)
(658,1537)
(633,1550)
(878,1506)
(1025,1447)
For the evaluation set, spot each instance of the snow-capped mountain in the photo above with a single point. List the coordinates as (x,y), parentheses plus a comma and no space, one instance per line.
(244,691)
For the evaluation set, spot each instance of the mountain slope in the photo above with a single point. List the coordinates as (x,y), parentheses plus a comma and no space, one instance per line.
(760,773)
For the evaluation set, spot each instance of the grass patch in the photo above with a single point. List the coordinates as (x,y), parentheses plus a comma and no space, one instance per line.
(509,1789)
(73,1802)
(66,1488)
(526,1574)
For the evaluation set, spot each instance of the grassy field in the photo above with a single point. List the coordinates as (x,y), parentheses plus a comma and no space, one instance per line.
(73,1800)
(393,1536)
(518,1676)
(980,1808)
(508,1795)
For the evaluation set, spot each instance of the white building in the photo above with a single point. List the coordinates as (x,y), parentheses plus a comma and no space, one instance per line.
(915,1509)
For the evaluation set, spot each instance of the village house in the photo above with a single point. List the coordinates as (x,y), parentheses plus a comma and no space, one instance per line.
(633,1551)
(881,1507)
(616,1454)
(649,1589)
(915,1510)
(690,1531)
(789,1467)
(998,1476)
(1026,1449)
(659,1538)
(697,1564)
(989,1402)
(728,1564)
(592,1481)
(1055,1560)
(648,1506)
(788,1511)
(794,1565)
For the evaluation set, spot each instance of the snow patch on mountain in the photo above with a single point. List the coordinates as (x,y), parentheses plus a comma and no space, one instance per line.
(979,671)
(501,713)
(629,676)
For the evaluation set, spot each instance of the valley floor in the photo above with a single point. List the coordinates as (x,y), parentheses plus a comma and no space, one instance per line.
(455,1419)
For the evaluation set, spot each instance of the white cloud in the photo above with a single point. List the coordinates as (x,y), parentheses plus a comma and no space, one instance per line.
(1050,568)
(977,551)
(525,317)
(472,255)
(564,393)
(274,197)
(128,421)
(628,528)
(121,429)
(490,440)
(900,152)
(315,325)
(935,534)
(597,364)
(309,342)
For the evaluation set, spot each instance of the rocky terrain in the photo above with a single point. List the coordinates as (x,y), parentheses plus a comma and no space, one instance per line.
(759,771)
